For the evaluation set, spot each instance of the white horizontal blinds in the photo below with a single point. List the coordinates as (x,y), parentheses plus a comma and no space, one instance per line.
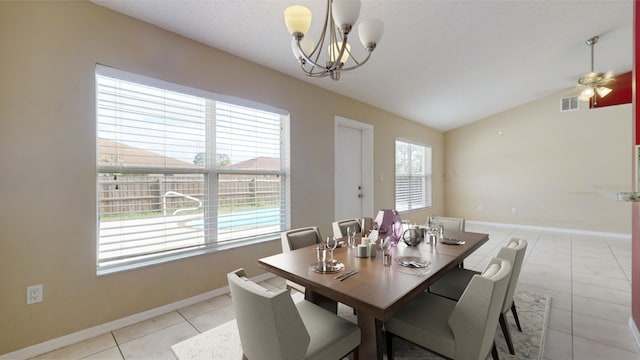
(145,126)
(151,187)
(413,176)
(250,169)
(179,170)
(137,221)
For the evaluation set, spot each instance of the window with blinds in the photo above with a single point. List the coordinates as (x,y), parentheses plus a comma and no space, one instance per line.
(413,176)
(181,170)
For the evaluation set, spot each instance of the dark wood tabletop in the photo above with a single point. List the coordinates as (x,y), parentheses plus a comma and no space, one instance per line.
(376,292)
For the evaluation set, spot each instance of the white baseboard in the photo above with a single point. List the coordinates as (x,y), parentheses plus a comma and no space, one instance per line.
(563,230)
(634,331)
(53,344)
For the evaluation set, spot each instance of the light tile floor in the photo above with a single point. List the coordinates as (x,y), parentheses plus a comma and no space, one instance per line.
(586,276)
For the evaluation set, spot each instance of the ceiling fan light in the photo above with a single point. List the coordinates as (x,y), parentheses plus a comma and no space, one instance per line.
(298,19)
(586,94)
(345,12)
(603,91)
(370,31)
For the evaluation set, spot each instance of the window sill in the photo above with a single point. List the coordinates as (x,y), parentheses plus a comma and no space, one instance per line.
(414,210)
(112,269)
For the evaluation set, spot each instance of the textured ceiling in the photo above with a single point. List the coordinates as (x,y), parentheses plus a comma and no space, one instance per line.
(440,63)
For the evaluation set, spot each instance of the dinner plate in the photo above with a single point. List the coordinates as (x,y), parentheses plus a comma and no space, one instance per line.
(327,268)
(412,261)
(452,242)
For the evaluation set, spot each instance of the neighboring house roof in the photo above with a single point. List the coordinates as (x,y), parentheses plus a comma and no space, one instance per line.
(261,163)
(114,153)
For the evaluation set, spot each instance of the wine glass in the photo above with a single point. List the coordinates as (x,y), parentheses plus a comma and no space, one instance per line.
(351,235)
(332,243)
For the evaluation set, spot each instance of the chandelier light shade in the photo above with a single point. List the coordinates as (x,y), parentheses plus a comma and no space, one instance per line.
(345,13)
(331,54)
(594,82)
(370,31)
(298,19)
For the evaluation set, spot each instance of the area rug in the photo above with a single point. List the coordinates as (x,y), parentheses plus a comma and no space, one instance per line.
(223,342)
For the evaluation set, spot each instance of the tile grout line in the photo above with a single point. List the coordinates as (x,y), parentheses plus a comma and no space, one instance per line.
(586,315)
(189,322)
(117,344)
(617,260)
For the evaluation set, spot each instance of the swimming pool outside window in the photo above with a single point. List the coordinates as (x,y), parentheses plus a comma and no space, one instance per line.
(182,170)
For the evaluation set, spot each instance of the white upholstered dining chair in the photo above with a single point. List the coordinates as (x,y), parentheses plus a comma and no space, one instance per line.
(450,223)
(272,327)
(462,330)
(454,282)
(298,238)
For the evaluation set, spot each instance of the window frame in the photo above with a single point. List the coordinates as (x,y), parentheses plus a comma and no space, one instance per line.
(427,175)
(209,171)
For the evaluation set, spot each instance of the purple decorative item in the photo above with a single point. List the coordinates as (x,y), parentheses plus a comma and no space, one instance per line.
(388,223)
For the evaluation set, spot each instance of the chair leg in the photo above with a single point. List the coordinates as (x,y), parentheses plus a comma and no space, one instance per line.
(389,338)
(515,315)
(355,354)
(507,334)
(494,352)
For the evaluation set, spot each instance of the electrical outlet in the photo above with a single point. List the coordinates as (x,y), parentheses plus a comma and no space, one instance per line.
(34,294)
(480,208)
(514,211)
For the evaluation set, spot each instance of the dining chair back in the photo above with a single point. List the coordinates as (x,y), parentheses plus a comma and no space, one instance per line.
(463,330)
(453,283)
(514,252)
(474,320)
(366,224)
(298,238)
(450,223)
(340,227)
(268,322)
(272,327)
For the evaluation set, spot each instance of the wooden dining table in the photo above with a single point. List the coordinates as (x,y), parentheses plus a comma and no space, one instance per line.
(376,292)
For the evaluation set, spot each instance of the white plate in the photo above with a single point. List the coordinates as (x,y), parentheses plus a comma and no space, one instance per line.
(413,261)
(452,242)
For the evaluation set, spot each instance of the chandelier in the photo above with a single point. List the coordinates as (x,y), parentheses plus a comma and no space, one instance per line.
(594,81)
(331,55)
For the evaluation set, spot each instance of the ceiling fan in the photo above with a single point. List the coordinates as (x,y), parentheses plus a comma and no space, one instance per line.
(594,82)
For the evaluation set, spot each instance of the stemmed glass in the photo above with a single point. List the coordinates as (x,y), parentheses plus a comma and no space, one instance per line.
(351,235)
(332,243)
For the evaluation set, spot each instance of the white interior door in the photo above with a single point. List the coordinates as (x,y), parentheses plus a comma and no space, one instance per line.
(353,169)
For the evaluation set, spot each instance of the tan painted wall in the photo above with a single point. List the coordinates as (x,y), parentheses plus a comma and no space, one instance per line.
(554,168)
(47,162)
